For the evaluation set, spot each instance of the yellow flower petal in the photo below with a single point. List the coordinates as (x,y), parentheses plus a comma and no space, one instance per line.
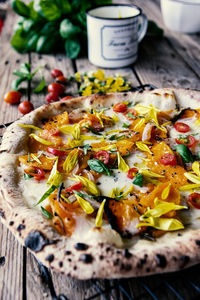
(71,161)
(99,217)
(143,147)
(90,185)
(85,205)
(122,165)
(30,126)
(165,192)
(40,140)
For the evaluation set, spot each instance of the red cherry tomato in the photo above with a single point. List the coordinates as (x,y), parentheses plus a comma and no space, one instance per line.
(56,73)
(168,159)
(182,127)
(56,88)
(131,173)
(36,172)
(61,79)
(189,141)
(120,107)
(66,98)
(52,97)
(194,200)
(25,107)
(12,97)
(55,152)
(76,187)
(131,113)
(1,24)
(103,156)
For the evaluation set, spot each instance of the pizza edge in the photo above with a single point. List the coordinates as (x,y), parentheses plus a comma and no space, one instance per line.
(94,261)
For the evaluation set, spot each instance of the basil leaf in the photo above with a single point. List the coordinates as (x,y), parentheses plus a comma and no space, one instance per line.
(138,180)
(92,130)
(131,116)
(67,29)
(86,148)
(20,8)
(72,48)
(48,9)
(47,214)
(46,194)
(41,86)
(185,153)
(125,125)
(98,166)
(27,176)
(17,82)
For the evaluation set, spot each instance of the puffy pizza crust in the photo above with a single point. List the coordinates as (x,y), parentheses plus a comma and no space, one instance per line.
(171,252)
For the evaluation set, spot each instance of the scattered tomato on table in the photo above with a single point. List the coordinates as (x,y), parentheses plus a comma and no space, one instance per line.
(25,107)
(12,97)
(1,24)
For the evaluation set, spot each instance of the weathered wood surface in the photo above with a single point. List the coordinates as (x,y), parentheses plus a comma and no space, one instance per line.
(173,60)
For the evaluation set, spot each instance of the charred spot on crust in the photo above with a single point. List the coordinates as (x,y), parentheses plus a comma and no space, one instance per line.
(2,214)
(60,264)
(141,262)
(67,252)
(11,223)
(63,104)
(161,261)
(86,258)
(127,254)
(81,246)
(20,227)
(36,241)
(184,260)
(116,262)
(101,257)
(50,257)
(125,267)
(197,242)
(2,261)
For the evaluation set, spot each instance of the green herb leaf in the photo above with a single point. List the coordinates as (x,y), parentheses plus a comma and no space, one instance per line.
(131,116)
(68,30)
(72,48)
(98,166)
(20,8)
(86,148)
(47,214)
(48,9)
(138,180)
(185,153)
(41,86)
(27,176)
(91,129)
(125,125)
(46,194)
(17,82)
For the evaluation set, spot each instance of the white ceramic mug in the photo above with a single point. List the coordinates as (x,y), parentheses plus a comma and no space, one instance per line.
(181,15)
(113,34)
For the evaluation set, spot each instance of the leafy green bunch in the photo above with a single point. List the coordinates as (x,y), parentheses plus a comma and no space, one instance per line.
(48,26)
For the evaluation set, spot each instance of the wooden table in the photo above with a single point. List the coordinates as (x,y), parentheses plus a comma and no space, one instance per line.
(173,60)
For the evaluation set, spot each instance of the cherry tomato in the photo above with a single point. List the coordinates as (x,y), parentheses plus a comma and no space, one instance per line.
(36,172)
(131,113)
(103,156)
(168,159)
(56,73)
(1,24)
(194,200)
(182,127)
(52,97)
(76,187)
(120,107)
(131,173)
(189,141)
(66,98)
(55,152)
(25,107)
(61,78)
(56,88)
(12,97)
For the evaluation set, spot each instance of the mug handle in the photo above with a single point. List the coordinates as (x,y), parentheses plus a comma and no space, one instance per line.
(143,28)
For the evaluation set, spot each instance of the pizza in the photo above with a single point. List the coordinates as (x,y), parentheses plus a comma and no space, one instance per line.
(106,186)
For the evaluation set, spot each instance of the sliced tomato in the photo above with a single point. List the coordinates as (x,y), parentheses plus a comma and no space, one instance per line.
(75,187)
(120,107)
(131,113)
(194,200)
(168,159)
(189,141)
(36,172)
(103,156)
(55,152)
(131,173)
(182,127)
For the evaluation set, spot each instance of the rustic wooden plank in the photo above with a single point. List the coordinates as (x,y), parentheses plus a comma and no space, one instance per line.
(185,45)
(11,266)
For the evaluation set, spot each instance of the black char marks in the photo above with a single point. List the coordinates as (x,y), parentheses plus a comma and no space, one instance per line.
(86,258)
(197,242)
(127,254)
(50,257)
(36,241)
(20,227)
(2,261)
(81,246)
(161,261)
(2,214)
(184,260)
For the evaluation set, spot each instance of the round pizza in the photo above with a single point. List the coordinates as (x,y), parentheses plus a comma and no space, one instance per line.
(106,186)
